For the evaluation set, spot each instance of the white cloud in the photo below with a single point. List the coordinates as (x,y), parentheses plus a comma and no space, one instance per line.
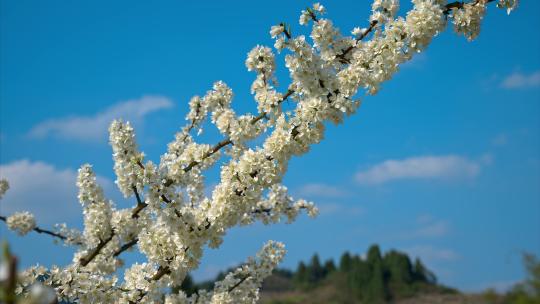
(44,190)
(420,167)
(321,190)
(518,80)
(435,229)
(430,254)
(92,128)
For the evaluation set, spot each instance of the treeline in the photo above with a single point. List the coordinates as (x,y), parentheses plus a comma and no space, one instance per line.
(374,278)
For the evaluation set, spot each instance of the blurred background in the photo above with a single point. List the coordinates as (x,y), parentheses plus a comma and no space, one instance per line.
(443,164)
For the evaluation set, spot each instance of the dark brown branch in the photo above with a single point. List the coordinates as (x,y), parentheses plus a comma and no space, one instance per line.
(162,270)
(269,210)
(447,9)
(140,204)
(138,209)
(227,141)
(102,243)
(212,151)
(312,15)
(125,247)
(459,5)
(242,280)
(160,273)
(285,30)
(45,231)
(344,53)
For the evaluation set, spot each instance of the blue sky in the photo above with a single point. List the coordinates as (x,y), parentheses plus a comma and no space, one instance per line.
(444,163)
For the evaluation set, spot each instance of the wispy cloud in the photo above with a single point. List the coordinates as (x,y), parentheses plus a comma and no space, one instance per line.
(426,227)
(321,190)
(44,190)
(94,127)
(432,254)
(420,167)
(518,80)
(434,228)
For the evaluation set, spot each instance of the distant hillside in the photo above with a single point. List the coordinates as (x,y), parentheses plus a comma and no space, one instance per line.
(376,279)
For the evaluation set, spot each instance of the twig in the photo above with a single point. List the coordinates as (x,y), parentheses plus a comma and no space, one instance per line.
(45,231)
(125,247)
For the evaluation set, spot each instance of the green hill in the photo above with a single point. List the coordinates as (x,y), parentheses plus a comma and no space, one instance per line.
(376,278)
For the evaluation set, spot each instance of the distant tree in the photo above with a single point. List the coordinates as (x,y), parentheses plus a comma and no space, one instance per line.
(329,267)
(345,262)
(399,272)
(374,254)
(316,271)
(376,290)
(527,292)
(286,273)
(359,277)
(422,274)
(532,266)
(301,277)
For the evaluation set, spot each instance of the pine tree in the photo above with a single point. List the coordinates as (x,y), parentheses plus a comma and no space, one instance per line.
(316,272)
(399,271)
(376,290)
(345,262)
(329,267)
(301,277)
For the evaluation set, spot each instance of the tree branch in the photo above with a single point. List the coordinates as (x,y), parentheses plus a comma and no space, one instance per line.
(341,56)
(459,5)
(447,9)
(102,243)
(125,247)
(242,280)
(45,231)
(227,141)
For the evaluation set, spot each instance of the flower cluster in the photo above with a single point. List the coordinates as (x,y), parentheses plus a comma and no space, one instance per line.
(509,5)
(126,158)
(384,10)
(96,209)
(311,13)
(174,218)
(241,285)
(21,222)
(278,204)
(467,20)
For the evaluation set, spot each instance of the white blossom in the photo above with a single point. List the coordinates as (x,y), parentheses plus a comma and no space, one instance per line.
(40,294)
(21,222)
(276,30)
(126,157)
(509,5)
(467,20)
(96,209)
